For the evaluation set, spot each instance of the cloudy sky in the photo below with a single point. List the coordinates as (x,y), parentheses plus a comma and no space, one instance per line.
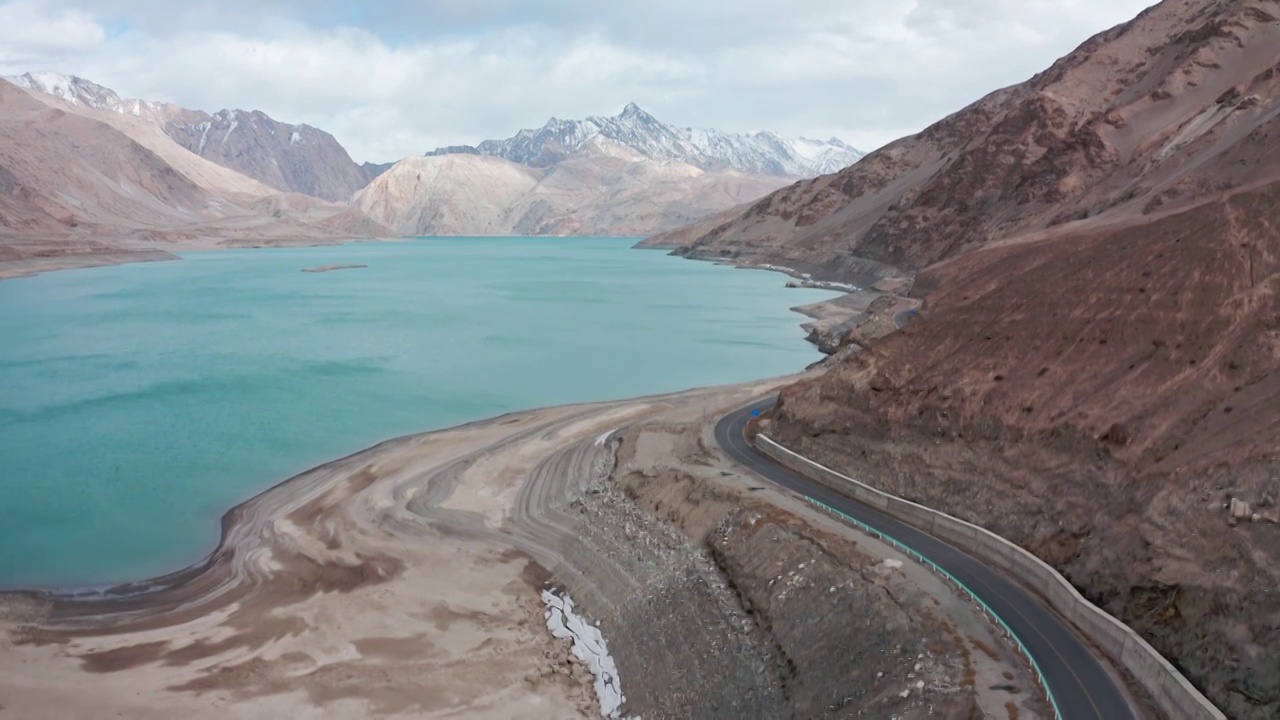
(400,77)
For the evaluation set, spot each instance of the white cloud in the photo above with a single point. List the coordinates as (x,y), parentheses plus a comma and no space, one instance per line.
(419,75)
(31,33)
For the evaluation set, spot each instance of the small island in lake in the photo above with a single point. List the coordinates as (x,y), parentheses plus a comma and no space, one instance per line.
(327,268)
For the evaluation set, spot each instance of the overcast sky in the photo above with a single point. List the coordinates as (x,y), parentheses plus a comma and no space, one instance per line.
(401,77)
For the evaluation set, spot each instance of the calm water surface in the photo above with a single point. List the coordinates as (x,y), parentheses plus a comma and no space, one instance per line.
(139,402)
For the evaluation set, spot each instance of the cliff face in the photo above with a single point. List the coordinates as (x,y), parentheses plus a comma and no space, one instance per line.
(1095,372)
(1166,111)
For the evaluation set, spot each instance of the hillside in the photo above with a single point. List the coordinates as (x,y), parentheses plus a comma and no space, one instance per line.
(82,185)
(292,158)
(603,189)
(1155,115)
(1095,372)
(285,157)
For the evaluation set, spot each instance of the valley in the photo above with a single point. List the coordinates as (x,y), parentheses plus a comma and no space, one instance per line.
(1058,321)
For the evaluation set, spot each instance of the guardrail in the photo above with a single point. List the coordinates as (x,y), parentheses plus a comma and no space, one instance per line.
(1172,692)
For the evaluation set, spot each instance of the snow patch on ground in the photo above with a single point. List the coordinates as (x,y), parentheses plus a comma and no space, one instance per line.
(588,647)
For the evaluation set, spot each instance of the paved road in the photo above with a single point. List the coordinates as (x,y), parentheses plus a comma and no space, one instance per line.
(1083,689)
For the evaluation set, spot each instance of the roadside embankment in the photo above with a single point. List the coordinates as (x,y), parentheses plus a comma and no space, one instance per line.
(1171,692)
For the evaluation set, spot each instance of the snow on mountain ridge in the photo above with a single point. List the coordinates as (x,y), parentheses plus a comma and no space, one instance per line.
(761,152)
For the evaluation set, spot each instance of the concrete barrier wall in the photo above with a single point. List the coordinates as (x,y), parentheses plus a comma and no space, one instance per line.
(1174,694)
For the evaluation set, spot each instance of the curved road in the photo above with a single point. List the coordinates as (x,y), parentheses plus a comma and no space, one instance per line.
(1081,685)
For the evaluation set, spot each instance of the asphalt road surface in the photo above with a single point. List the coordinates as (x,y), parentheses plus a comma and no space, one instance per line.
(1082,687)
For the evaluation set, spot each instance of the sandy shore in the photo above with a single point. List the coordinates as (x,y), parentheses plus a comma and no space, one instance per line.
(406,576)
(405,580)
(26,266)
(21,258)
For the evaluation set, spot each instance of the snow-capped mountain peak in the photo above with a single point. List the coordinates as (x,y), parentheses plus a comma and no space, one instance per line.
(86,93)
(75,90)
(644,135)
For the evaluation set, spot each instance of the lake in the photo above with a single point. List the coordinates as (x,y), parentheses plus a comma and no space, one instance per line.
(139,402)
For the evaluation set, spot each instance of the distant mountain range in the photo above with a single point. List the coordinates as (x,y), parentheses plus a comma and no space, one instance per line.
(624,175)
(637,131)
(167,174)
(290,158)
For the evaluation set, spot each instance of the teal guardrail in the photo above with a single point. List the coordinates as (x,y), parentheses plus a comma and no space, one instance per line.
(911,552)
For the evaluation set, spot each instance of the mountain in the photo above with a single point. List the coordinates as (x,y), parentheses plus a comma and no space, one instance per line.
(373,170)
(1104,132)
(1094,371)
(637,131)
(625,175)
(83,183)
(79,92)
(294,158)
(290,158)
(598,193)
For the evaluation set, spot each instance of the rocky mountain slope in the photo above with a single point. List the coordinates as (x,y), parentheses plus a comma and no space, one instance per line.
(289,158)
(292,158)
(78,183)
(762,153)
(602,189)
(1095,372)
(1155,115)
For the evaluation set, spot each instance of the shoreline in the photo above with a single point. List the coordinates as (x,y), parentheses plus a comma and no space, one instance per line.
(127,590)
(359,526)
(822,311)
(40,265)
(478,516)
(337,590)
(46,261)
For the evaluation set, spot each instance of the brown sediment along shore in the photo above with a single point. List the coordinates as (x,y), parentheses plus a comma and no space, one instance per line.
(405,579)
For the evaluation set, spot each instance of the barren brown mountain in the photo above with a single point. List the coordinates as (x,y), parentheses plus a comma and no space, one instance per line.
(80,185)
(1096,370)
(289,158)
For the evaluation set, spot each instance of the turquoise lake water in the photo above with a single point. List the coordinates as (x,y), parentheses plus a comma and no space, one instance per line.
(139,402)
